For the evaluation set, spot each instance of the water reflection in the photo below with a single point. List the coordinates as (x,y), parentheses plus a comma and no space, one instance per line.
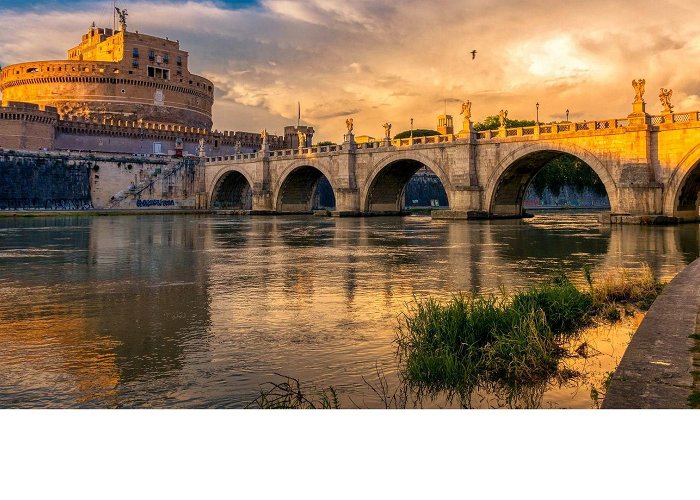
(195,311)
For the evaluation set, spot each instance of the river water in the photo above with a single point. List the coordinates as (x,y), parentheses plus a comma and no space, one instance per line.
(203,311)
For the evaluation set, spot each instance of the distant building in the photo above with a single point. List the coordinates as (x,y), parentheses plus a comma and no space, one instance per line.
(360,139)
(291,136)
(444,125)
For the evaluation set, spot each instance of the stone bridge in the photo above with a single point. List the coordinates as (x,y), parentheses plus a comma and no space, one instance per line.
(648,164)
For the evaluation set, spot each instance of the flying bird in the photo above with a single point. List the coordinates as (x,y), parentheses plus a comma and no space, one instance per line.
(473,54)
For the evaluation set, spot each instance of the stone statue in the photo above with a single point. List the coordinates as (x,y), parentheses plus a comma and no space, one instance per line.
(638,86)
(263,135)
(466,110)
(237,147)
(502,116)
(201,147)
(121,14)
(349,125)
(302,139)
(387,130)
(665,98)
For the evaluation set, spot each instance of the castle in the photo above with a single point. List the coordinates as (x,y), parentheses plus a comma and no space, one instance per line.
(119,92)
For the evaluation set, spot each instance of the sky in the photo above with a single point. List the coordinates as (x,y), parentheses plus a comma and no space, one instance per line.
(380,61)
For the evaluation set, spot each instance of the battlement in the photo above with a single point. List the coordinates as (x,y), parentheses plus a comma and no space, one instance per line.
(24,111)
(165,132)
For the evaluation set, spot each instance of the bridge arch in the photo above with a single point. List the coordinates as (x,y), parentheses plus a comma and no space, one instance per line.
(506,186)
(296,186)
(232,189)
(682,191)
(384,186)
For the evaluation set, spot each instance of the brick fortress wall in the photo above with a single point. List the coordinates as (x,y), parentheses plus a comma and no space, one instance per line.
(32,127)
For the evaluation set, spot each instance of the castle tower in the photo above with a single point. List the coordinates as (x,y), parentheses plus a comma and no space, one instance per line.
(120,75)
(444,125)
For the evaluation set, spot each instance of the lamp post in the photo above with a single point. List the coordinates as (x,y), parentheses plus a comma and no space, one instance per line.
(567,114)
(411,128)
(537,105)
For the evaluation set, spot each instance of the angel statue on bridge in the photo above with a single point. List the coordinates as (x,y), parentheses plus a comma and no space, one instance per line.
(302,139)
(349,125)
(387,130)
(665,98)
(638,86)
(502,117)
(263,135)
(466,110)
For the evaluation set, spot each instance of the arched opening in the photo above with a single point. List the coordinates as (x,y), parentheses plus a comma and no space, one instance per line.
(403,186)
(688,200)
(547,180)
(232,192)
(304,190)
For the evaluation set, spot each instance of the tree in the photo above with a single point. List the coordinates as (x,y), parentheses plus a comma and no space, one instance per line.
(419,132)
(326,143)
(567,170)
(493,123)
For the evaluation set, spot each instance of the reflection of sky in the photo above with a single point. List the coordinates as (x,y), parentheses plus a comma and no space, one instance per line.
(199,311)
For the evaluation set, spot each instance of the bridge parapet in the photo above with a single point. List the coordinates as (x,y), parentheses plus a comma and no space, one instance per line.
(569,128)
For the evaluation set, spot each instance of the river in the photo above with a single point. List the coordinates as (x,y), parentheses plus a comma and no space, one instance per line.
(202,311)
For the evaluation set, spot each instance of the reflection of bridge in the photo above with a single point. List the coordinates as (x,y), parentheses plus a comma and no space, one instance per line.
(648,164)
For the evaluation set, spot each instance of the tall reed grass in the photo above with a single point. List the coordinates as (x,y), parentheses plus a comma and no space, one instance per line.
(512,339)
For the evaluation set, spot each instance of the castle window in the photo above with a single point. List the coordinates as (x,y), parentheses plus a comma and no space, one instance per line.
(135,52)
(159,73)
(178,60)
(166,58)
(151,55)
(135,63)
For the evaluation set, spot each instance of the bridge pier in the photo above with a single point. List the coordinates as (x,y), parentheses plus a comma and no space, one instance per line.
(639,199)
(466,202)
(347,202)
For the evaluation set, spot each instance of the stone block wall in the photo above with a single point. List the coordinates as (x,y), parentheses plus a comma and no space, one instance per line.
(44,183)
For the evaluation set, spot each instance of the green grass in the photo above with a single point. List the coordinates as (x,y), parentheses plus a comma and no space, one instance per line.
(510,339)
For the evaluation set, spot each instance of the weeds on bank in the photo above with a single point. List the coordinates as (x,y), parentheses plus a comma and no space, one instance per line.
(515,339)
(289,394)
(508,344)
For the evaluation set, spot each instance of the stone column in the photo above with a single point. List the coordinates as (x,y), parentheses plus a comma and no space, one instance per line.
(465,194)
(347,196)
(639,116)
(262,185)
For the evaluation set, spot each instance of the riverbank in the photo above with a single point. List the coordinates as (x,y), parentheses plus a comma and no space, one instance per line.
(657,370)
(92,213)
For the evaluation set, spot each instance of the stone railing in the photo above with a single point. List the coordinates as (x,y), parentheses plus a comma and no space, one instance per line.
(691,116)
(573,127)
(547,130)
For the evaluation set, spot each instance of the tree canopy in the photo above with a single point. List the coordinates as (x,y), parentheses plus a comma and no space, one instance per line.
(567,170)
(419,132)
(493,123)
